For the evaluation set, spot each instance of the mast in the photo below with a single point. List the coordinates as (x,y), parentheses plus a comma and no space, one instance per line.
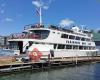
(39,5)
(40,15)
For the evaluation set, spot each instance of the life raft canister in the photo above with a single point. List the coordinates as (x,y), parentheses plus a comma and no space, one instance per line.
(35,55)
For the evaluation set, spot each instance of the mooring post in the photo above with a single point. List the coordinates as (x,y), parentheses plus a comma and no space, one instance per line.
(42,65)
(32,66)
(76,58)
(10,67)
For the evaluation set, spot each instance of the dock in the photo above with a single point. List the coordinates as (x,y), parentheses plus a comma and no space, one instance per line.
(46,64)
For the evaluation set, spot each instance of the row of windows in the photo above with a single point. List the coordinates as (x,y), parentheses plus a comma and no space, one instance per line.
(61,46)
(74,37)
(77,42)
(73,42)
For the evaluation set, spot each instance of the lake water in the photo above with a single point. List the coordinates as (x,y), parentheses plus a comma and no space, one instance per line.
(83,72)
(6,52)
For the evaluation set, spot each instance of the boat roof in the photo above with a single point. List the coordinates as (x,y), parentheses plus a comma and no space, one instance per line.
(53,27)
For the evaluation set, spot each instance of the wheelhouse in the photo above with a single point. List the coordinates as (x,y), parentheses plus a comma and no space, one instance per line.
(39,34)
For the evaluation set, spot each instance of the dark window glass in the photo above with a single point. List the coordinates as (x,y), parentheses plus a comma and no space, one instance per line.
(83,43)
(71,37)
(77,38)
(60,46)
(89,48)
(55,45)
(75,47)
(64,36)
(80,47)
(85,47)
(87,39)
(40,34)
(68,47)
(83,39)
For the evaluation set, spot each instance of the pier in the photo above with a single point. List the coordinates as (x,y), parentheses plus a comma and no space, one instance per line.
(46,64)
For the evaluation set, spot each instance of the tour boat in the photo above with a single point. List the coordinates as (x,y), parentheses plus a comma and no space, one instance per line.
(53,41)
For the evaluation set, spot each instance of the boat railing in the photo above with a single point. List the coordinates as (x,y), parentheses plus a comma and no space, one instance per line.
(28,36)
(33,26)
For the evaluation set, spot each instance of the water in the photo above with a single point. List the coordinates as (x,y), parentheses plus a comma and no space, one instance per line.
(6,52)
(83,72)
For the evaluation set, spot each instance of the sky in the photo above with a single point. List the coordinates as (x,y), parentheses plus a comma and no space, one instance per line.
(15,14)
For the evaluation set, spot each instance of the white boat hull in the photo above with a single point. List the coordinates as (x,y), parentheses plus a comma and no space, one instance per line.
(71,53)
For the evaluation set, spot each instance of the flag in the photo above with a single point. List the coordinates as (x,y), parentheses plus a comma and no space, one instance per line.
(38,11)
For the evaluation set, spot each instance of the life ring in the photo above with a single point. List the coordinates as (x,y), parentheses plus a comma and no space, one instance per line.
(35,55)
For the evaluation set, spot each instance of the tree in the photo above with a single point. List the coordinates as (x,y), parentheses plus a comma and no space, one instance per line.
(98,31)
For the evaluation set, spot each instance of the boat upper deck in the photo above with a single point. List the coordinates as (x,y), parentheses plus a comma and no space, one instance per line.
(59,28)
(40,32)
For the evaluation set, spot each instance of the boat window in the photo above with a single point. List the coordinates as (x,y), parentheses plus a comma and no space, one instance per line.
(67,41)
(71,37)
(13,45)
(68,46)
(83,39)
(61,46)
(80,47)
(55,46)
(85,47)
(72,41)
(75,47)
(40,34)
(77,42)
(90,48)
(64,36)
(36,43)
(88,39)
(93,48)
(77,38)
(83,43)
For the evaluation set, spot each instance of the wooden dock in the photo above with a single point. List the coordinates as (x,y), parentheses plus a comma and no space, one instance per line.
(45,64)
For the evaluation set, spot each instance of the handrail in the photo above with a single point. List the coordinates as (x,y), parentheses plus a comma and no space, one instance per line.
(33,26)
(27,36)
(25,45)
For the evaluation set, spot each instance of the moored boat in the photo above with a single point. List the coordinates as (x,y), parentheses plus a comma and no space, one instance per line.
(53,42)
